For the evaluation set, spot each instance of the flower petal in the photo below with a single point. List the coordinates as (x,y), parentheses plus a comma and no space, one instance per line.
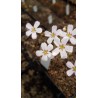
(55,52)
(44,46)
(69,64)
(44,58)
(62,34)
(29,26)
(57,41)
(64,41)
(34,35)
(58,32)
(39,30)
(70,28)
(73,40)
(69,48)
(54,28)
(39,53)
(70,72)
(28,33)
(74,32)
(63,54)
(49,41)
(36,24)
(49,55)
(56,38)
(47,33)
(52,56)
(50,47)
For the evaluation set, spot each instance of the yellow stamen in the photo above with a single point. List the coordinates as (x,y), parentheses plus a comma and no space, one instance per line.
(74,68)
(69,35)
(33,29)
(53,35)
(45,52)
(62,47)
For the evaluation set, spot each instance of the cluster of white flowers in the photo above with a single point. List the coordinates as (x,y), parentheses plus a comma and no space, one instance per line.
(56,38)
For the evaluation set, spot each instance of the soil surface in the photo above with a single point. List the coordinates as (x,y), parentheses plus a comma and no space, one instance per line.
(33,85)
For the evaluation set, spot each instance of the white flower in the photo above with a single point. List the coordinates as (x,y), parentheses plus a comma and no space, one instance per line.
(70,33)
(52,35)
(72,69)
(33,30)
(62,48)
(45,52)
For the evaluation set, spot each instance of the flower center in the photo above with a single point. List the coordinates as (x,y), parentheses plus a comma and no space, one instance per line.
(53,35)
(74,68)
(69,35)
(62,47)
(33,29)
(45,52)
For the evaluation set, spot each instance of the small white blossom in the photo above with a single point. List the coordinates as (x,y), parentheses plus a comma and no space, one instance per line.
(45,52)
(62,48)
(70,33)
(72,69)
(33,30)
(52,35)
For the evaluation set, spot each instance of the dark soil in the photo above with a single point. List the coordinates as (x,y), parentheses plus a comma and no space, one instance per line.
(33,85)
